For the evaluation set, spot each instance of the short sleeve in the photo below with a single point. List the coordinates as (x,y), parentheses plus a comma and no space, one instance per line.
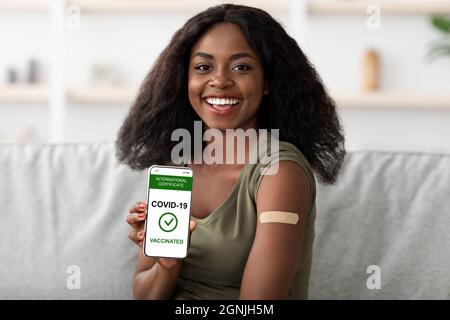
(291,155)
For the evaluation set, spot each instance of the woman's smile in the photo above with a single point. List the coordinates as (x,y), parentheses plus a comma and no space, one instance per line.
(221,105)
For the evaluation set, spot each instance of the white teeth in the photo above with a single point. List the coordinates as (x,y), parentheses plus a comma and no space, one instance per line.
(222,101)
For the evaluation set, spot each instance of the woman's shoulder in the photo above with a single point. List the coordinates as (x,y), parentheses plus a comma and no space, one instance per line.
(284,151)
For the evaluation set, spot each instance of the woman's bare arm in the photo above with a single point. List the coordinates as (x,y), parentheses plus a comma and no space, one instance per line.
(152,280)
(273,259)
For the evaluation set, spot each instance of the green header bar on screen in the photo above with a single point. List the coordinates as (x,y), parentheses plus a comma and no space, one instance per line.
(159,181)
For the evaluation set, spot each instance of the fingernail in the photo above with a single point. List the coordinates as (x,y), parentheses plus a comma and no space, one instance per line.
(142,205)
(141,216)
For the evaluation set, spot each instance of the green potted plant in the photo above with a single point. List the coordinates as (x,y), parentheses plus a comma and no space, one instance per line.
(440,47)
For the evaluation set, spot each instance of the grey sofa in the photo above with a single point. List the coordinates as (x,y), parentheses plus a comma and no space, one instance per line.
(63,233)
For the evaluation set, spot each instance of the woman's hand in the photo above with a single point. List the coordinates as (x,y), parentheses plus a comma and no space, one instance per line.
(136,219)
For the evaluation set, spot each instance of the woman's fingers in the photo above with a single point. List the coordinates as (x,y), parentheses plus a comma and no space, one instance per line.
(136,220)
(136,215)
(138,207)
(192,225)
(136,236)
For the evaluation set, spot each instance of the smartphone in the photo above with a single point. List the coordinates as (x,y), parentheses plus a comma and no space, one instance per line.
(169,198)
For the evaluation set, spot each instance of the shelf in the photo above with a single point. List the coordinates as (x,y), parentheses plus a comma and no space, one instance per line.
(137,6)
(105,95)
(126,95)
(8,6)
(24,93)
(392,100)
(285,7)
(39,94)
(386,6)
(172,6)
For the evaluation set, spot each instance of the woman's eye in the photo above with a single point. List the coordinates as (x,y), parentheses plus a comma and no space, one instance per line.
(202,67)
(242,67)
(205,67)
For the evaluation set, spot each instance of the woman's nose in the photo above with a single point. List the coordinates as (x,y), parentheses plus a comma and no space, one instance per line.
(221,80)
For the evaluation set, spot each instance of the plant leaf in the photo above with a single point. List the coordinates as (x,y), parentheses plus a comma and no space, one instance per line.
(441,23)
(439,50)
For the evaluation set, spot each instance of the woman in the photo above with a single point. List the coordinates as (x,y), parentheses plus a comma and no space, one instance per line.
(242,55)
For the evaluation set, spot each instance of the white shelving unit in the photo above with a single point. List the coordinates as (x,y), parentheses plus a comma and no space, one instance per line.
(164,6)
(380,99)
(123,95)
(21,6)
(174,6)
(104,95)
(40,94)
(403,7)
(24,94)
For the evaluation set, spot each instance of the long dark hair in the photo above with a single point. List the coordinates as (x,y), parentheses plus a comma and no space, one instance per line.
(297,103)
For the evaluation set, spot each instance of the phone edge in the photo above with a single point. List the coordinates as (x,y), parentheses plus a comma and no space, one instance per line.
(145,224)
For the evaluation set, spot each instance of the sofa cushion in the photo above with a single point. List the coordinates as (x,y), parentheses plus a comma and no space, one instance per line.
(61,206)
(390,210)
(63,209)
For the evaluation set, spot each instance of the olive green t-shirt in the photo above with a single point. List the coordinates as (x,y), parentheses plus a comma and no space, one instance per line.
(222,241)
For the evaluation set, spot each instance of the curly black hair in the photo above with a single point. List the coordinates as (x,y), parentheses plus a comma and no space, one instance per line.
(297,103)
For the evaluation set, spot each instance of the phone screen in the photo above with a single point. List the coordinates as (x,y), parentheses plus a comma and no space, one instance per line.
(168,211)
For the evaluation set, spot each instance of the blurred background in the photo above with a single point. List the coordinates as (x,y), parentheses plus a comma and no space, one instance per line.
(69,70)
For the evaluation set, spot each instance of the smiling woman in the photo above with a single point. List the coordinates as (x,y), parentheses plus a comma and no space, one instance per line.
(235,67)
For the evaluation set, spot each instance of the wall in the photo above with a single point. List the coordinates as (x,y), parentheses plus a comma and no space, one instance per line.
(334,44)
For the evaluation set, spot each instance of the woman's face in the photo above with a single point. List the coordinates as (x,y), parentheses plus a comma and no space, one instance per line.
(226,81)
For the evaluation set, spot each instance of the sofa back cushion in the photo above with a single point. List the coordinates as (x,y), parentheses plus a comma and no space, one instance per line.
(63,209)
(388,213)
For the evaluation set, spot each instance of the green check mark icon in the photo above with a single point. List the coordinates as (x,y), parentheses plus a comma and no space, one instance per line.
(168,222)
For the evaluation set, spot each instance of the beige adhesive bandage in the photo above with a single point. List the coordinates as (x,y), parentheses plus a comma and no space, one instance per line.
(279,216)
